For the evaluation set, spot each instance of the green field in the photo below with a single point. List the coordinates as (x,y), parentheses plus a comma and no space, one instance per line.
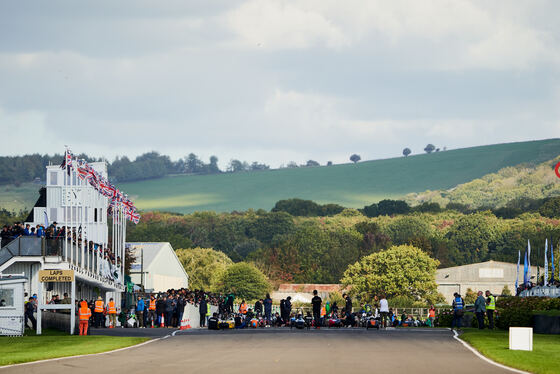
(349,185)
(14,198)
(53,344)
(544,358)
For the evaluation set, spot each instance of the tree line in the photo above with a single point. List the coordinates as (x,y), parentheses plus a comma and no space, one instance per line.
(150,165)
(319,248)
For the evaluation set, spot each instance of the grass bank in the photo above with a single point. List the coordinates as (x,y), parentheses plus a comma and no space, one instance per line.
(54,344)
(544,358)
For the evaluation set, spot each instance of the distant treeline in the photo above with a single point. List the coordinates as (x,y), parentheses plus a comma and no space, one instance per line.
(317,249)
(546,207)
(22,169)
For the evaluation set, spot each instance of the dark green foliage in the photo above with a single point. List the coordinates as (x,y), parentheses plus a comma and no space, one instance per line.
(518,311)
(507,212)
(462,208)
(355,158)
(406,152)
(306,208)
(429,148)
(9,218)
(550,207)
(386,207)
(427,208)
(265,227)
(244,280)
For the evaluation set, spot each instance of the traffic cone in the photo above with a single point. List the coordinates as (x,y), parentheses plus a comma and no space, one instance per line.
(162,324)
(184,325)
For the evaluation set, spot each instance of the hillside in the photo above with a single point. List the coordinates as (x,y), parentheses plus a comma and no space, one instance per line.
(498,189)
(349,185)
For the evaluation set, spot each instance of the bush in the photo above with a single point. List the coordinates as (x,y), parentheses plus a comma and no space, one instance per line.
(518,311)
(244,280)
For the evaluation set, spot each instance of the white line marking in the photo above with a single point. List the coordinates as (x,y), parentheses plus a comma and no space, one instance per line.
(479,355)
(78,356)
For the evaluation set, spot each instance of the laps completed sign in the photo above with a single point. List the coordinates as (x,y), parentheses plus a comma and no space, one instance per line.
(56,275)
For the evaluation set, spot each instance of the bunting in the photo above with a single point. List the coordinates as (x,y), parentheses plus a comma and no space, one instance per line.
(100,184)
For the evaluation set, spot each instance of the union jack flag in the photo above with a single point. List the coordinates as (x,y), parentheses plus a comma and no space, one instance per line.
(133,216)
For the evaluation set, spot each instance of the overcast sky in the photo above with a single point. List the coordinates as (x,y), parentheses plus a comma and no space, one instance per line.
(276,81)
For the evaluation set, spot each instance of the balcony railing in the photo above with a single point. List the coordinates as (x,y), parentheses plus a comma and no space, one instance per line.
(85,262)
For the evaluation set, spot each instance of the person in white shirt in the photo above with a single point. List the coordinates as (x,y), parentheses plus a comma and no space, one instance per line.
(384,310)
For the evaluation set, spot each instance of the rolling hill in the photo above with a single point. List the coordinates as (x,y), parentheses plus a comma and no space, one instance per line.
(351,185)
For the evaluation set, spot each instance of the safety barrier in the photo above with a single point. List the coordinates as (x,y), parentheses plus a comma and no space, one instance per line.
(191,316)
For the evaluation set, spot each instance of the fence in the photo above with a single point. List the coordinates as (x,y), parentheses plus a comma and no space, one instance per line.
(11,325)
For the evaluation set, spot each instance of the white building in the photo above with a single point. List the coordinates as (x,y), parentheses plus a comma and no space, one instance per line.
(157,267)
(482,276)
(86,247)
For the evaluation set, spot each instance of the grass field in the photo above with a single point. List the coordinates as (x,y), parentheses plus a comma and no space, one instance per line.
(544,359)
(14,198)
(349,185)
(52,344)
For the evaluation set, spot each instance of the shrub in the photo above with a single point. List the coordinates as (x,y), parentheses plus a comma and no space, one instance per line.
(518,311)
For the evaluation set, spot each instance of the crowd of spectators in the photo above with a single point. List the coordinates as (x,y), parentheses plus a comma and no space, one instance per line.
(109,264)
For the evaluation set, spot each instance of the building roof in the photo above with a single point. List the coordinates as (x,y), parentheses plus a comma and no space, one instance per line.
(150,251)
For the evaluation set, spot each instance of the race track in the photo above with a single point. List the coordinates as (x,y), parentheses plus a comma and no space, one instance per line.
(341,351)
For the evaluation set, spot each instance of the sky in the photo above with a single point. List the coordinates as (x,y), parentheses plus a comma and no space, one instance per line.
(276,81)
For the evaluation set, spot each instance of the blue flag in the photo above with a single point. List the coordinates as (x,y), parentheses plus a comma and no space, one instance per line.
(517,275)
(545,280)
(528,261)
(525,270)
(552,261)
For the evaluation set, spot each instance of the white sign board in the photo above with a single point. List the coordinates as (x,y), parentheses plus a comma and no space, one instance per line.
(521,338)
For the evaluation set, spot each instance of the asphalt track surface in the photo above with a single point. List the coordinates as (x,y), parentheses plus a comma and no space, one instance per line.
(341,351)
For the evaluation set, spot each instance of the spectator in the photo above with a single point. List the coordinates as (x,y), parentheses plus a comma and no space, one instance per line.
(458,305)
(316,302)
(169,311)
(259,308)
(140,312)
(479,309)
(432,315)
(383,310)
(29,309)
(203,309)
(490,307)
(267,308)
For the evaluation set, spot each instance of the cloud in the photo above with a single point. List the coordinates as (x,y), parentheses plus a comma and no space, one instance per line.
(275,81)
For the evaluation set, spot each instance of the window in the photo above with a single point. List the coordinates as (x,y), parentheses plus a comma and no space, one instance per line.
(6,297)
(53,216)
(94,214)
(54,178)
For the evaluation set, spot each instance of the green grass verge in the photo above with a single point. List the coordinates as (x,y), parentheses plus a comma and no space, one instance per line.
(494,344)
(53,344)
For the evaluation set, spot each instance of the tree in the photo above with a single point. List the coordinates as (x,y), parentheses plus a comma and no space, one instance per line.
(398,271)
(193,164)
(429,148)
(237,166)
(470,296)
(244,280)
(312,163)
(406,152)
(329,163)
(213,165)
(203,266)
(355,158)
